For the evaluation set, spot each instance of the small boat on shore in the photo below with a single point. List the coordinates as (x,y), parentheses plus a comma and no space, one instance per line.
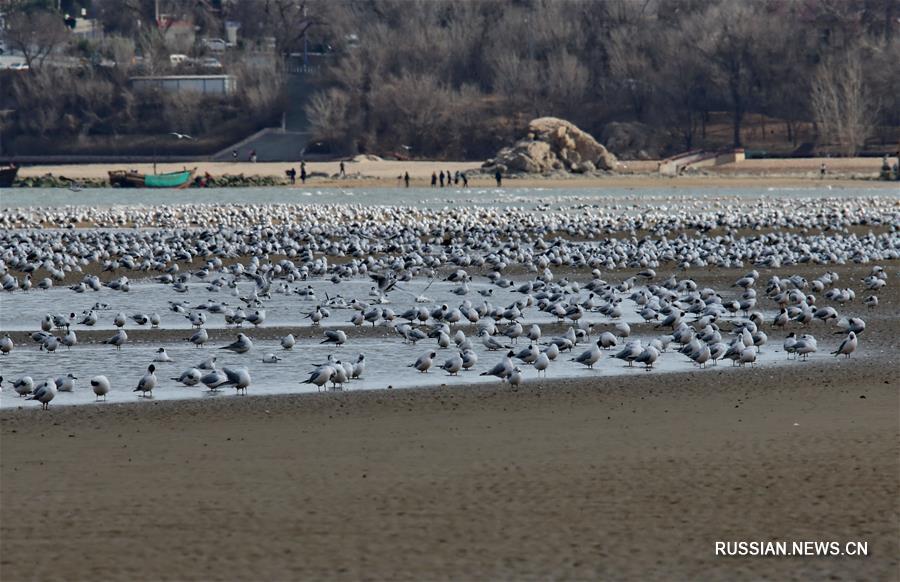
(8,175)
(126,179)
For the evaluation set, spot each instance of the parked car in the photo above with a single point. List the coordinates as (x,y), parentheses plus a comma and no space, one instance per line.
(21,66)
(210,63)
(216,45)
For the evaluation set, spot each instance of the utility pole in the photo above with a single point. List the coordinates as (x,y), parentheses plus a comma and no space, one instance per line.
(305,52)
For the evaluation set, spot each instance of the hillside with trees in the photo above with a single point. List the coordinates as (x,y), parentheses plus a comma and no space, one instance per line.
(458,80)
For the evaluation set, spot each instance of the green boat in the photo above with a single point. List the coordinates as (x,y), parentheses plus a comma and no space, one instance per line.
(124,179)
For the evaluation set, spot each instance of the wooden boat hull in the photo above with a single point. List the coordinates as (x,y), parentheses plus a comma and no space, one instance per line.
(177,180)
(8,176)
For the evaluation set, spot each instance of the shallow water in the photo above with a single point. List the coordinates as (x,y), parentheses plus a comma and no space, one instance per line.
(23,311)
(424,197)
(386,366)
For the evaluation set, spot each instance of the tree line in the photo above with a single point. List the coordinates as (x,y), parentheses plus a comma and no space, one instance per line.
(444,78)
(457,78)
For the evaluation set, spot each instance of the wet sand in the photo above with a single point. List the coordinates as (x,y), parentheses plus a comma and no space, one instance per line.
(576,479)
(625,477)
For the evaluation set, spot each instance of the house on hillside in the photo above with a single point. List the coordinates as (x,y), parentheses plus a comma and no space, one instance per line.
(180,35)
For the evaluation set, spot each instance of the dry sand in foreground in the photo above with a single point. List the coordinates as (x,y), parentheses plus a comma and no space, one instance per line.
(571,480)
(631,174)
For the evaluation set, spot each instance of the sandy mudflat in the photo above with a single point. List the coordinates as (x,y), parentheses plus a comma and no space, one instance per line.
(573,480)
(629,174)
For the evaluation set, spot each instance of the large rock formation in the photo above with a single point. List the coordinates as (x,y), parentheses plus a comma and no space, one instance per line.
(553,144)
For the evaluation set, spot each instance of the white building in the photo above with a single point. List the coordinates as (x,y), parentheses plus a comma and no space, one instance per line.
(206,84)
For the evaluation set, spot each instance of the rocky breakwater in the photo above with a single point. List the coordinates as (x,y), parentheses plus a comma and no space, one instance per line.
(553,145)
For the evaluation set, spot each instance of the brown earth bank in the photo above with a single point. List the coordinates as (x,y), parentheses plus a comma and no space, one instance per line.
(575,479)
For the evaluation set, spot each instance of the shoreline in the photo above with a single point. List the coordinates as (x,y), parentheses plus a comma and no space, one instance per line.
(365,173)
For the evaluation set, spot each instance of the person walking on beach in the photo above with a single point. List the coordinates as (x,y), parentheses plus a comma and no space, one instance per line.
(499,177)
(342,171)
(822,171)
(441,178)
(303,172)
(292,175)
(234,156)
(406,178)
(253,156)
(456,178)
(433,179)
(465,180)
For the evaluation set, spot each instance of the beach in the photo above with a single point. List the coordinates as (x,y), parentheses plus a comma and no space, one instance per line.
(575,478)
(368,173)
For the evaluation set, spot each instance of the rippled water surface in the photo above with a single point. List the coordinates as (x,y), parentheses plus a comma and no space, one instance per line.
(428,197)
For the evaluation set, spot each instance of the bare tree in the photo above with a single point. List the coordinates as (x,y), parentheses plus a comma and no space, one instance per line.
(842,106)
(727,36)
(331,117)
(565,80)
(36,34)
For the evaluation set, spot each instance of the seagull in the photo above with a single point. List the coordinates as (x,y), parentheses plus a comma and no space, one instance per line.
(589,357)
(359,367)
(190,377)
(847,347)
(100,385)
(320,376)
(629,353)
(24,385)
(424,362)
(340,375)
(199,337)
(748,356)
(147,382)
(453,365)
(44,393)
(162,356)
(117,340)
(503,369)
(66,383)
(237,377)
(6,345)
(541,363)
(490,343)
(69,339)
(180,135)
(240,346)
(647,357)
(271,358)
(208,364)
(214,379)
(336,337)
(288,341)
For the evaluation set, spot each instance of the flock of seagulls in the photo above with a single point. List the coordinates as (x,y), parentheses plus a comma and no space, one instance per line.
(478,254)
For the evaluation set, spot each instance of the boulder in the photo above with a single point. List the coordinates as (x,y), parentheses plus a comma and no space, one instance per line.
(553,144)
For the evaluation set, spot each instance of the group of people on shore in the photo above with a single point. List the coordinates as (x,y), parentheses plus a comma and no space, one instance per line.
(443,179)
(447,179)
(292,174)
